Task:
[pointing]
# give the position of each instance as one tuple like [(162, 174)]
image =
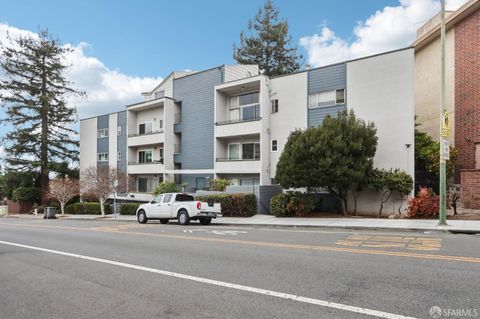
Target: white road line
[(318, 302)]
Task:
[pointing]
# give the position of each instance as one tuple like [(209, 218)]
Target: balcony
[(155, 167), (245, 166), (238, 127), (154, 137)]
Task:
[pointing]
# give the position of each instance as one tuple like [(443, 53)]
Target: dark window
[(142, 184), (184, 198), (274, 145), (167, 198), (200, 183), (275, 106), (249, 98), (251, 151), (250, 112), (340, 98)]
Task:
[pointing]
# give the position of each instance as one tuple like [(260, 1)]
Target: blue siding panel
[(316, 116), (122, 140), (196, 93), (327, 78), (102, 143)]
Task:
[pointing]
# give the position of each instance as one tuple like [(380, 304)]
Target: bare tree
[(100, 182), (63, 190)]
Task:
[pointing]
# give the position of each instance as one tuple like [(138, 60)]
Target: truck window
[(184, 198), (167, 198), (157, 199)]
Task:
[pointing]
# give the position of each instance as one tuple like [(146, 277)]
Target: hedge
[(129, 208), (86, 209), (294, 204), (233, 205)]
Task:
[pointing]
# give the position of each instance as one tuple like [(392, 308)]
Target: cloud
[(387, 29), (108, 90)]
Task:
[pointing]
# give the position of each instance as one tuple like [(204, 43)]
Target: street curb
[(353, 228)]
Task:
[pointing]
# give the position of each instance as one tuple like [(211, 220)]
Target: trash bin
[(49, 213)]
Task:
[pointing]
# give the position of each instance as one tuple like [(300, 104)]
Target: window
[(161, 153), (167, 198), (275, 106), (274, 145), (251, 151), (161, 123), (157, 200), (145, 128), (119, 130), (328, 98), (184, 198), (119, 156), (159, 94), (146, 185), (145, 156), (103, 132), (249, 181), (234, 151), (102, 157), (244, 107)]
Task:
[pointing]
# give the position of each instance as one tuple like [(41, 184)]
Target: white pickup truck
[(179, 206)]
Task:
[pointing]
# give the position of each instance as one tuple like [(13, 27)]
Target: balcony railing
[(178, 117), (257, 118), (237, 159), (160, 161), (142, 134), (177, 148)]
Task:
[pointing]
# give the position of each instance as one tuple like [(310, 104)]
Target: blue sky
[(123, 48), (151, 38)]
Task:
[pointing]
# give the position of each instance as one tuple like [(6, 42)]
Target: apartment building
[(232, 122), (462, 92)]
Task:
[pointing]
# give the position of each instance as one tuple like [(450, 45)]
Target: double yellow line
[(264, 244)]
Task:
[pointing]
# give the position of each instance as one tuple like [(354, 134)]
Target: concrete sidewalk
[(463, 226)]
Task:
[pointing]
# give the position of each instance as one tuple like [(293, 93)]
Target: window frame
[(335, 102), (119, 156), (236, 106), (276, 145), (145, 128), (145, 155), (239, 152), (274, 105), (119, 130), (105, 132), (99, 155)]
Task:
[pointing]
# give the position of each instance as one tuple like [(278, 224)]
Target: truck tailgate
[(210, 207)]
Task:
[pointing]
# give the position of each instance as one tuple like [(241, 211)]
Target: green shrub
[(166, 187), (129, 208), (233, 205), (31, 194), (87, 208), (219, 184), (294, 204)]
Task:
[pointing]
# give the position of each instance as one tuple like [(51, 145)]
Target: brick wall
[(470, 197), (467, 91)]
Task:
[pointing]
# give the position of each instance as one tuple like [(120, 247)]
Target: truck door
[(166, 207)]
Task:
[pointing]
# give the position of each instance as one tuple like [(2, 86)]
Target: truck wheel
[(205, 220), (183, 218), (163, 221), (142, 217)]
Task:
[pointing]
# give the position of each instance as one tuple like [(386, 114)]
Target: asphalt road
[(97, 269)]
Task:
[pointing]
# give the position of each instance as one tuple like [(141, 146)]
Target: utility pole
[(444, 125)]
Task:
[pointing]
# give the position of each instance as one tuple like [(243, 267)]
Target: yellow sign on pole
[(445, 124)]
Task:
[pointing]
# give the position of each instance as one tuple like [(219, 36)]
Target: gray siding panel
[(102, 143), (122, 140), (316, 116), (196, 93), (327, 78)]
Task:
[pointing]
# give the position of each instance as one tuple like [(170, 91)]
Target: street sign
[(445, 149), (445, 124)]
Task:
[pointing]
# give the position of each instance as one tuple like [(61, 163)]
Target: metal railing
[(177, 148), (237, 159), (257, 118), (149, 133), (160, 161), (178, 118)]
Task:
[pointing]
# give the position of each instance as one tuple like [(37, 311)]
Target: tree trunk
[(343, 206), (62, 207), (400, 207), (383, 200), (354, 195), (44, 171), (102, 208)]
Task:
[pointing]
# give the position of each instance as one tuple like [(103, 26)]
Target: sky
[(123, 48)]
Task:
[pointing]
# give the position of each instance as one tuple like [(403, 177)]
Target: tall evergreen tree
[(269, 46), (34, 96)]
